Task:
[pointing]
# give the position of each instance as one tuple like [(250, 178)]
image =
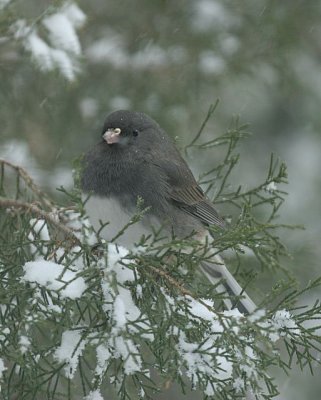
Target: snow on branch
[(52, 40)]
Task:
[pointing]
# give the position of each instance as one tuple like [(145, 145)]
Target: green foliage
[(146, 319)]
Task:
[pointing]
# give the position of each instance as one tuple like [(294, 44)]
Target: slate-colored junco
[(136, 158)]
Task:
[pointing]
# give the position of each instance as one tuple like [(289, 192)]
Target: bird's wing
[(186, 193), (192, 200)]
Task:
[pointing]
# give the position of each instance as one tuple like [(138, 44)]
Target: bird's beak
[(112, 135)]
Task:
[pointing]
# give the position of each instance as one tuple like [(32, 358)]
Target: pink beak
[(112, 136)]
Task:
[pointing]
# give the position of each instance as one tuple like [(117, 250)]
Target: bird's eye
[(135, 132)]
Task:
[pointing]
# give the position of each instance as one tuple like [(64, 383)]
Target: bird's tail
[(216, 271)]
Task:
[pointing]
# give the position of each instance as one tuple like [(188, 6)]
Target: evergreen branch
[(138, 310)]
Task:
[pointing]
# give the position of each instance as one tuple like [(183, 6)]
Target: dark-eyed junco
[(137, 159)]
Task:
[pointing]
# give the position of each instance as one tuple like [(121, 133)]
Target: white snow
[(128, 352), (230, 44), (120, 303), (120, 103), (271, 187), (119, 347), (247, 364), (210, 389), (281, 322), (124, 309), (211, 63), (210, 14), (81, 227), (74, 14), (67, 351), (20, 29), (88, 107), (139, 291), (203, 359), (238, 384), (4, 331), (109, 50), (235, 313), (200, 310), (46, 57), (40, 228), (40, 51), (94, 395), (283, 319), (62, 49), (62, 33), (116, 257), (4, 3), (257, 315), (18, 152), (24, 343), (103, 356), (54, 277), (2, 367), (64, 63)]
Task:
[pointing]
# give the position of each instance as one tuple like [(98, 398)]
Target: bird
[(136, 159)]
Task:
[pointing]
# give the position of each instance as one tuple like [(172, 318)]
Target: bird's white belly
[(102, 210)]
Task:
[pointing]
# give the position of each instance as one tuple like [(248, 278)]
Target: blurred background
[(65, 65)]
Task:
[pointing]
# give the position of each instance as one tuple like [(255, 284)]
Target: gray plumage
[(144, 162)]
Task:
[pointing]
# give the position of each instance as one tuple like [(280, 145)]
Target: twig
[(34, 209), (173, 282), (29, 182), (208, 116), (184, 291)]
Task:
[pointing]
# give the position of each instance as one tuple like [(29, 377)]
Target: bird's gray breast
[(109, 218), (113, 186)]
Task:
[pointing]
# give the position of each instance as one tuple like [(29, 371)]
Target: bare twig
[(208, 116), (173, 282), (29, 182), (34, 209)]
